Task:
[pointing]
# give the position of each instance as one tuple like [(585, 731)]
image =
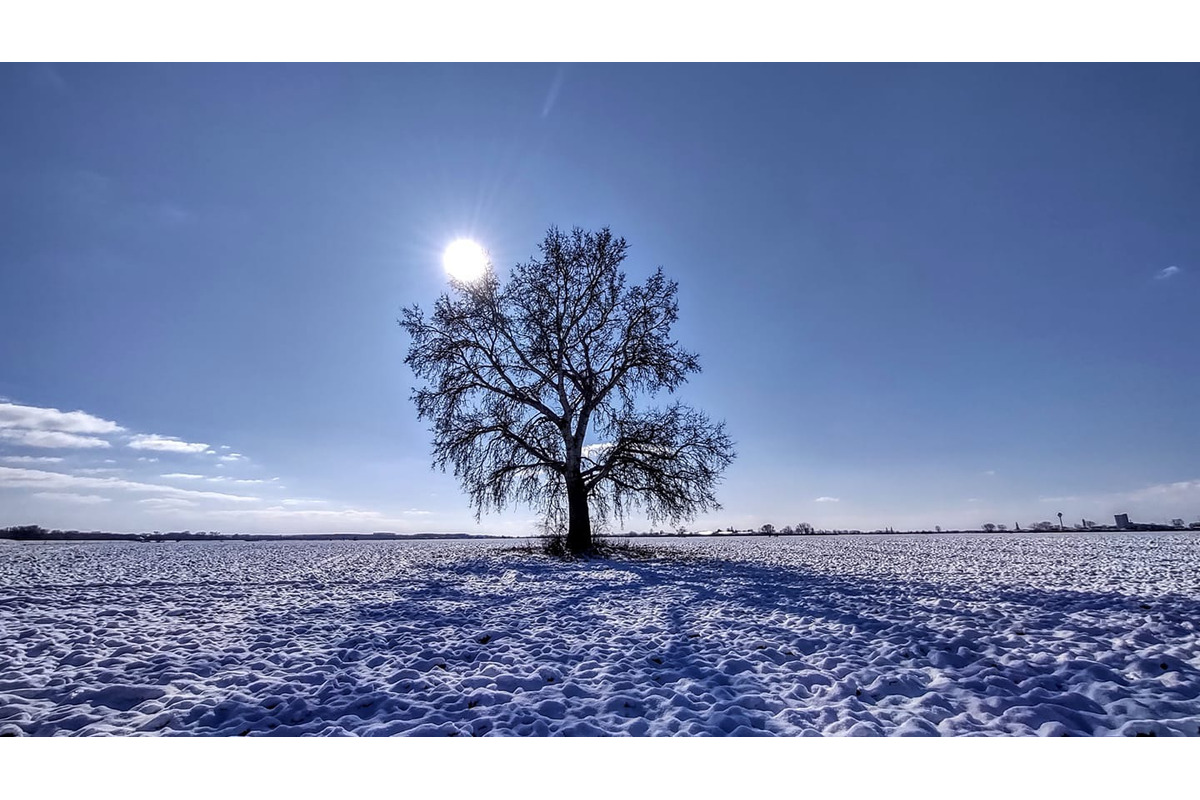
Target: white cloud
[(60, 481), (36, 427), (167, 503), (51, 419), (325, 518), (1152, 503), (39, 438), (1177, 490), (594, 451), (1169, 272), (166, 444), (828, 500), (69, 497), (989, 472)]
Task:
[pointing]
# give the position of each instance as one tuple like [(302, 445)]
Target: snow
[(996, 634)]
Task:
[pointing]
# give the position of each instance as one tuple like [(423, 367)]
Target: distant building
[(1124, 524)]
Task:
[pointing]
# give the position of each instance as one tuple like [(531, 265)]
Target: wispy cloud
[(165, 444), (167, 503), (47, 77), (171, 214), (31, 426), (113, 206), (70, 497), (83, 189), (42, 480), (825, 499), (1178, 489), (555, 87), (51, 419), (1169, 272), (37, 427), (50, 439), (350, 517), (1158, 500)]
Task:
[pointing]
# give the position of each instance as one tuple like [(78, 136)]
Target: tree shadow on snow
[(694, 646)]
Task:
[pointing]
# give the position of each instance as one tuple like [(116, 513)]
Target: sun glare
[(465, 260)]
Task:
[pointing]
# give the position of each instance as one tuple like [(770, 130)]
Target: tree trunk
[(579, 524)]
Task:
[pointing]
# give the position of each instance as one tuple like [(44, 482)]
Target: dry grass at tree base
[(555, 546)]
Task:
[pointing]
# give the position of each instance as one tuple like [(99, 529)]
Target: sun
[(465, 260)]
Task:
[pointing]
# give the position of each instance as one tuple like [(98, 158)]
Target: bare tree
[(533, 389), (989, 527)]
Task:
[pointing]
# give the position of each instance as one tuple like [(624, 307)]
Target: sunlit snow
[(998, 634)]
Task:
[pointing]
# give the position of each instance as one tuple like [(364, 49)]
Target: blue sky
[(922, 295)]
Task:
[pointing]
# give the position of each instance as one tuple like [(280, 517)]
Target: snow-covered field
[(998, 634)]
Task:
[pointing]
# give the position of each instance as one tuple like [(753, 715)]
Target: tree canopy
[(536, 390)]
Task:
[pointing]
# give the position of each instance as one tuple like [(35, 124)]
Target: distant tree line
[(36, 533)]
